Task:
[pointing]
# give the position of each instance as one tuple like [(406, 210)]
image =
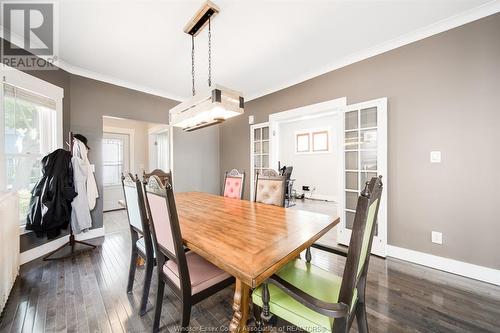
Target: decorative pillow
[(232, 188)]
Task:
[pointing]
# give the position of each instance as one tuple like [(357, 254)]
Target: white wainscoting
[(472, 271)]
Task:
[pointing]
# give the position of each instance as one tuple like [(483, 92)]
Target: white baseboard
[(472, 271), (46, 248)]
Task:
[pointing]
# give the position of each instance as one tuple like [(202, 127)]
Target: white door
[(364, 155), (116, 159)]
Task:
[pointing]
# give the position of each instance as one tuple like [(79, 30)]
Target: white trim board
[(46, 248), (472, 271)]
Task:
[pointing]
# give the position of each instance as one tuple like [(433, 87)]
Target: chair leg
[(186, 315), (159, 303), (147, 285), (133, 264), (361, 318)]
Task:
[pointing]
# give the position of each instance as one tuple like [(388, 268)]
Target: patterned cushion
[(232, 188), (202, 273), (270, 191)]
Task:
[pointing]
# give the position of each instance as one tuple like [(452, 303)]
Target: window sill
[(23, 231)]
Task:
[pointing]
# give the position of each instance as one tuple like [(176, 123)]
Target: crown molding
[(446, 24), (115, 81)]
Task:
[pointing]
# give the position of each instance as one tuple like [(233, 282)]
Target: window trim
[(302, 134), (310, 132), (313, 134), (38, 86)]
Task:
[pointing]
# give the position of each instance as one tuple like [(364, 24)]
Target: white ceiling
[(258, 46)]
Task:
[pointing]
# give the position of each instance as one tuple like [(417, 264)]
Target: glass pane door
[(365, 156), (259, 159)]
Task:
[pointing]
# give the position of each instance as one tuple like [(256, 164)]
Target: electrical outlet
[(437, 237), (435, 157), (314, 188)]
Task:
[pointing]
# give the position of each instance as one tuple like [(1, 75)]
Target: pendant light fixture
[(215, 104)]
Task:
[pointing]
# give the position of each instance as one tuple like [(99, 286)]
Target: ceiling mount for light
[(217, 103)]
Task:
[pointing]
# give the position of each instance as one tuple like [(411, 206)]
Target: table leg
[(241, 308)]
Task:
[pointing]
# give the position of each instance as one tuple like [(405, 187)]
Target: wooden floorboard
[(88, 294)]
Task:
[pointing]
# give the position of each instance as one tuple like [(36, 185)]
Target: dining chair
[(189, 276), (234, 182), (270, 188), (164, 176), (142, 244), (315, 299)]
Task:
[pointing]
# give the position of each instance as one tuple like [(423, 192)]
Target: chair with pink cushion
[(234, 181), (190, 277)]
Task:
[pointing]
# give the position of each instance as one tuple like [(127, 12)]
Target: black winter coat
[(50, 204)]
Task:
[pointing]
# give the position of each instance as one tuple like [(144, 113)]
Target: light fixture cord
[(192, 63), (209, 53)]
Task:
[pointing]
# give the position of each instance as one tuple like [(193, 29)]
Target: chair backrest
[(363, 230), (270, 188), (164, 226), (233, 184), (164, 176), (136, 209)]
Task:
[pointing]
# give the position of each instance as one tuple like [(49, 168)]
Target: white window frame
[(38, 86), (310, 133)]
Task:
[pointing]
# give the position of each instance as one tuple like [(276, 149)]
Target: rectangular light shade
[(206, 109)]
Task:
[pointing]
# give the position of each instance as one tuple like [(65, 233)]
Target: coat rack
[(72, 240)]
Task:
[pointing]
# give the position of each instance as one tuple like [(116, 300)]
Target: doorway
[(129, 146), (334, 148)]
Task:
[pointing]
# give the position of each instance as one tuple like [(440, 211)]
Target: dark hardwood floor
[(87, 294)]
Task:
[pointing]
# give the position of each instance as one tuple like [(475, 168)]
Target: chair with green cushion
[(315, 299)]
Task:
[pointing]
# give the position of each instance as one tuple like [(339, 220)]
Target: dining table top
[(248, 240)]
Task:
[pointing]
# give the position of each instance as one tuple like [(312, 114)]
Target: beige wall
[(443, 94)]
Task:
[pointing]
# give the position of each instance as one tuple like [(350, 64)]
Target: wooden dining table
[(249, 240)]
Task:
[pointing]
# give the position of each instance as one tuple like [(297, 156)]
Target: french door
[(363, 156), (259, 152)]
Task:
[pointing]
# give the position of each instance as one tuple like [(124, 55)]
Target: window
[(320, 141), (302, 145), (312, 141), (31, 126), (112, 152)]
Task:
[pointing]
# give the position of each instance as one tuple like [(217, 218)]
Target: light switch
[(435, 157), (250, 120), (437, 237)]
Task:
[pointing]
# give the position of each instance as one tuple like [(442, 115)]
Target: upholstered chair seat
[(202, 273), (313, 280)]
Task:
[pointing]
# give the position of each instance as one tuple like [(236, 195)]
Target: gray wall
[(443, 94), (196, 154)]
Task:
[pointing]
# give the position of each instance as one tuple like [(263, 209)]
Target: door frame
[(333, 106)]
